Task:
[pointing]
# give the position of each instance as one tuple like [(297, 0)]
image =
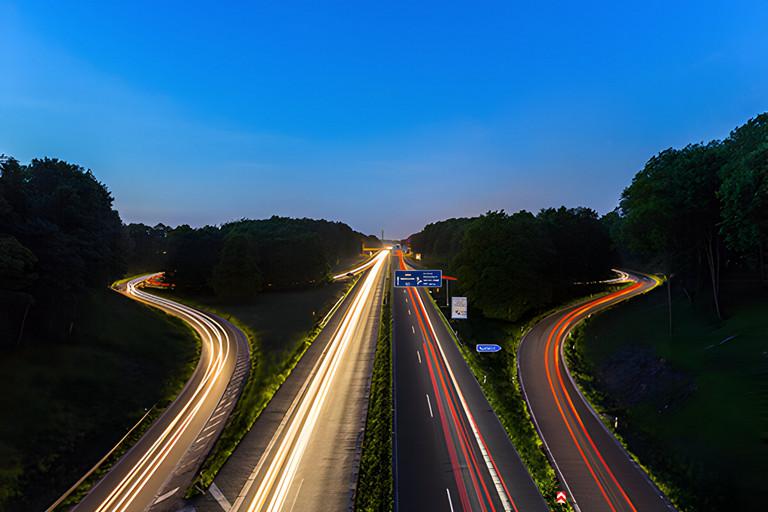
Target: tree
[(236, 275), (503, 263), (744, 189), (58, 225), (671, 209), (581, 242)]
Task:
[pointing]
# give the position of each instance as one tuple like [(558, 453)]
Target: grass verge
[(375, 484), (690, 406), (121, 358)]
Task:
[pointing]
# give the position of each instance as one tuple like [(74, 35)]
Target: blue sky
[(383, 115)]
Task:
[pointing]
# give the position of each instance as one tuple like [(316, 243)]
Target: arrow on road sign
[(561, 498)]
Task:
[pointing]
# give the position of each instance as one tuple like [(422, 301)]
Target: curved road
[(156, 471), (595, 470)]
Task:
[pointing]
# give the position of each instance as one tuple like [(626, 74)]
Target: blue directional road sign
[(422, 278), (487, 347)]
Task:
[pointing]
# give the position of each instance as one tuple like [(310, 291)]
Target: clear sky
[(380, 114)]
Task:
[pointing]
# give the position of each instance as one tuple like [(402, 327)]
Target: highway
[(596, 472), (156, 471), (308, 440), (451, 451)]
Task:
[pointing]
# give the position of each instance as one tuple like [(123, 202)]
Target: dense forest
[(696, 214), (60, 237), (513, 265), (239, 259), (701, 211)]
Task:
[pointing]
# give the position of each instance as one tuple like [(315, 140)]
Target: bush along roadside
[(497, 376), (375, 484), (262, 384), (583, 374)]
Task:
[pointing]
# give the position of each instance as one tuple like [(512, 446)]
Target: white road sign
[(459, 307)]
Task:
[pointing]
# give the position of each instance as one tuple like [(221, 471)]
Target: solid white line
[(219, 497), (419, 356), (450, 503), (429, 404)]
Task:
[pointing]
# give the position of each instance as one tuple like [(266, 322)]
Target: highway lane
[(156, 471), (451, 451), (310, 460), (595, 470)]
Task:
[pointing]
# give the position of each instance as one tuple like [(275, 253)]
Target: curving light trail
[(136, 480), (594, 468)]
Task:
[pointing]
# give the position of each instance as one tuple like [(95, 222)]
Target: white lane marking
[(166, 495), (450, 502), (429, 404), (222, 413), (205, 437), (413, 329), (481, 445), (418, 354), (409, 312), (219, 497), (297, 496), (209, 427)]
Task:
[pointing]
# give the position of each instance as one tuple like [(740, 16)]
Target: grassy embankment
[(68, 403), (375, 485), (692, 407), (280, 327)]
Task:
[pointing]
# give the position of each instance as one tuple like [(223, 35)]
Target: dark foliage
[(59, 236), (239, 259), (697, 211), (514, 265)]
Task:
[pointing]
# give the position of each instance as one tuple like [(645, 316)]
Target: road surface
[(596, 472), (156, 471), (451, 451), (303, 451)]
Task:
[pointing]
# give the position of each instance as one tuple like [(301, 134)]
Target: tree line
[(691, 213), (700, 210), (512, 265), (60, 237), (239, 259)]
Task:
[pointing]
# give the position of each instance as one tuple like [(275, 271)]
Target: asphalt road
[(303, 451), (156, 471), (451, 451), (596, 472)]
